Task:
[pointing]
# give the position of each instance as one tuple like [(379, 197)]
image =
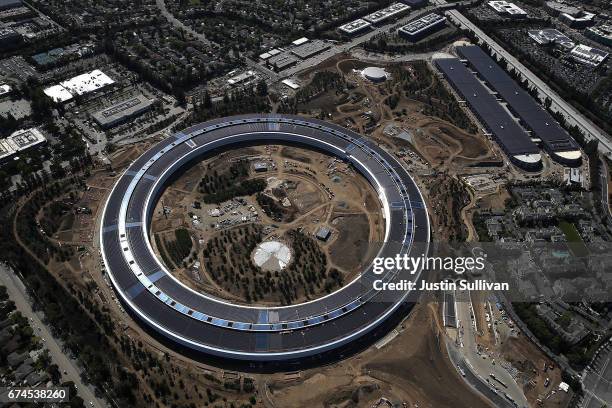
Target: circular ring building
[(214, 326)]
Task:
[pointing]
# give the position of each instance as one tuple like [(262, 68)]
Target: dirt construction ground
[(530, 361), (319, 191), (411, 369)]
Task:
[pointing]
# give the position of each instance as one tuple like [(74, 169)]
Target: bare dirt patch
[(352, 249), (526, 357), (411, 369), (298, 190), (291, 153)]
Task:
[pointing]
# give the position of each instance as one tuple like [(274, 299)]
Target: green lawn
[(574, 239), (570, 231)]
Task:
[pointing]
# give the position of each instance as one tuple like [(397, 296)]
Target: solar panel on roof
[(512, 138), (534, 117)]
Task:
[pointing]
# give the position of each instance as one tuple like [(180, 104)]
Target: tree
[(179, 92), (262, 88), (41, 105)]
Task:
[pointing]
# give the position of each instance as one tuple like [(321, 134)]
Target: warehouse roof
[(311, 48), (533, 115), (512, 138), (79, 85)]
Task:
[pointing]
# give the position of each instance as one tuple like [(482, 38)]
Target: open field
[(575, 242)]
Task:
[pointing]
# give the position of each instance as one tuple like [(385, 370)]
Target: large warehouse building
[(555, 140), (513, 140), (281, 61), (256, 333), (310, 48), (78, 85)]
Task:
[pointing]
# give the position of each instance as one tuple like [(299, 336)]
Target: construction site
[(323, 199), (336, 209)]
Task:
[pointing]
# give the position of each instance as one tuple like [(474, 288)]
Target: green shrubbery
[(180, 248)]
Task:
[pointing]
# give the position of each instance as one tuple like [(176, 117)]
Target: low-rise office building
[(422, 27), (123, 111), (355, 27), (507, 9), (601, 34), (395, 10), (20, 141)]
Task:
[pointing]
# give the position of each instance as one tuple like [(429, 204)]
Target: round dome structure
[(375, 74)]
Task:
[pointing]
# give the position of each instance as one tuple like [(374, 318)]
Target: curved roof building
[(374, 74), (214, 326), (554, 139)]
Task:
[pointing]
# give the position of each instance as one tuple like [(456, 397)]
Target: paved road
[(334, 50), (367, 36), (17, 293), (605, 194), (310, 62), (161, 5), (29, 4), (483, 367), (571, 114), (477, 383), (597, 379), (274, 77)]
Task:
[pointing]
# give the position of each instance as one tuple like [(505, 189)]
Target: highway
[(375, 57), (17, 293), (334, 50), (367, 36), (571, 114)]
